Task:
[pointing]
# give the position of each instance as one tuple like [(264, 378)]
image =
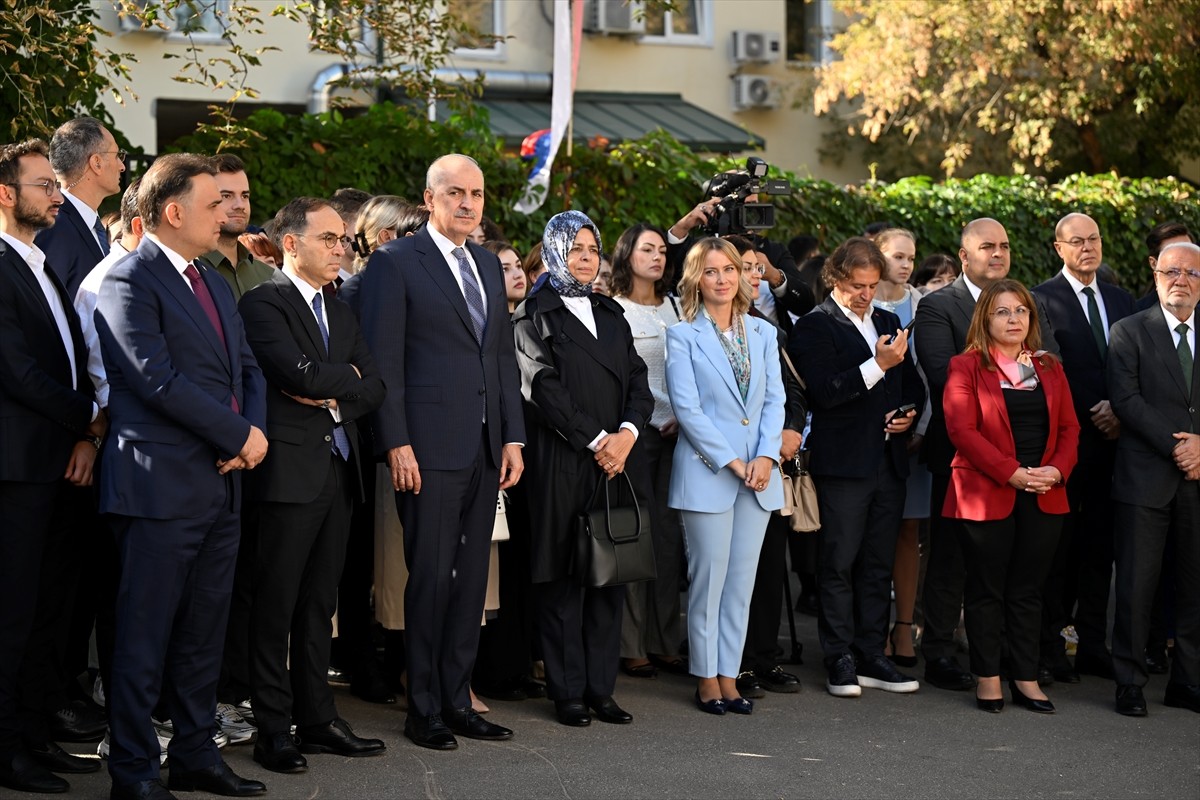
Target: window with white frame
[(688, 22), (201, 19), (809, 28), (484, 18)]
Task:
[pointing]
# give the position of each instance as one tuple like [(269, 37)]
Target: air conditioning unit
[(756, 47), (131, 24), (614, 17), (754, 92)]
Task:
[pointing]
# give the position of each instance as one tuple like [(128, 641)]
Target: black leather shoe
[(217, 779), (1045, 676), (55, 759), (945, 673), (676, 665), (368, 684), (1100, 666), (607, 710), (646, 670), (809, 604), (510, 689), (1130, 701), (21, 772), (277, 752), (429, 732), (1066, 674), (1182, 695), (142, 790), (534, 690), (1156, 660), (776, 680), (337, 676), (79, 721), (337, 738), (572, 713), (990, 706), (467, 723), (749, 685), (1037, 706)]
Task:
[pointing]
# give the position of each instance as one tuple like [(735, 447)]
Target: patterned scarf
[(1018, 374), (737, 351), (560, 235)]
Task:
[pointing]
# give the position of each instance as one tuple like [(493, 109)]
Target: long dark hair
[(622, 261)]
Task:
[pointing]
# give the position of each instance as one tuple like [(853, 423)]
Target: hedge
[(655, 178)]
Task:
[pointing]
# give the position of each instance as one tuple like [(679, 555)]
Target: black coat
[(574, 385)]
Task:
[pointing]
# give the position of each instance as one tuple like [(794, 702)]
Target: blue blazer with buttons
[(715, 425)]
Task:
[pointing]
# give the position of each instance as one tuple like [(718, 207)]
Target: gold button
[(745, 422)]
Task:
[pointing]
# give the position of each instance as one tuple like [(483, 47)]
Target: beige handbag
[(800, 495), (500, 526)]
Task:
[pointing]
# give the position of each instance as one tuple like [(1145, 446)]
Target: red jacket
[(977, 421)]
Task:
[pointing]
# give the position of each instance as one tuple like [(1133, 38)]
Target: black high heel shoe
[(1037, 706), (990, 706), (899, 660)]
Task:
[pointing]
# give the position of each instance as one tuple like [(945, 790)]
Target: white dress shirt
[(85, 307), (972, 288), (308, 293), (1078, 288), (446, 247), (870, 370), (1173, 322), (89, 216)]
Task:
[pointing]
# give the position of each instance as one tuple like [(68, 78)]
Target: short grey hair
[(435, 176), (73, 144), (1187, 247)]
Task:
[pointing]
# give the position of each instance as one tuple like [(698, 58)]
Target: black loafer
[(142, 790), (1181, 695), (534, 689), (371, 687), (511, 689), (1130, 701), (217, 779), (79, 722), (776, 680), (429, 732), (22, 773), (1098, 665), (467, 723), (675, 666), (646, 670), (337, 738), (278, 753), (750, 685), (55, 759), (607, 710), (1157, 662), (572, 713), (1045, 675), (945, 673)]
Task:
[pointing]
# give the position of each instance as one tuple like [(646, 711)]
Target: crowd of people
[(234, 455)]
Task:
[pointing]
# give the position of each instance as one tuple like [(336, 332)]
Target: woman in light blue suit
[(725, 386)]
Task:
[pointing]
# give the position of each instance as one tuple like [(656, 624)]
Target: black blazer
[(441, 383), (70, 246), (41, 416), (795, 410), (284, 336), (1073, 334), (1149, 397), (847, 436)]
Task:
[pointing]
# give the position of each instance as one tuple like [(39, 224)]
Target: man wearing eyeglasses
[(1154, 381), (49, 429), (321, 379), (1080, 311), (236, 264), (89, 164)]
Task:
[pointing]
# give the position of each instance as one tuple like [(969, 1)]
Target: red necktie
[(204, 297)]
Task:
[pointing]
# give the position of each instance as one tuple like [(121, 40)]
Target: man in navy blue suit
[(452, 428), (187, 407), (1080, 311)]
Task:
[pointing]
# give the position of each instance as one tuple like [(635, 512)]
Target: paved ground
[(933, 744)]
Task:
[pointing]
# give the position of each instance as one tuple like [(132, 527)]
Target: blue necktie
[(341, 444), (101, 236), (471, 292)]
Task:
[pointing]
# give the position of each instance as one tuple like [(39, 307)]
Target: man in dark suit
[(49, 429), (942, 320), (1080, 310), (320, 379), (854, 360), (89, 164), (435, 317), (1160, 236), (1154, 384), (187, 406)]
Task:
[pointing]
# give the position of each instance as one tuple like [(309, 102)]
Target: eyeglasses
[(754, 269), (121, 154), (1020, 312), (1079, 241), (1174, 274), (49, 187), (331, 240)]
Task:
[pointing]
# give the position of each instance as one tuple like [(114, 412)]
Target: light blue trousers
[(722, 557)]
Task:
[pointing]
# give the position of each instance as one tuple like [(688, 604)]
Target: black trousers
[(234, 684), (1007, 561), (942, 601), (766, 602), (860, 521), (447, 539), (354, 648), (580, 634), (301, 549), (1142, 535)]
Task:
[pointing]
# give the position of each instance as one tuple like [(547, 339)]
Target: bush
[(387, 150)]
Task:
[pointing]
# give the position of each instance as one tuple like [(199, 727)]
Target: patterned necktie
[(101, 236), (341, 443), (1185, 354), (204, 297), (1097, 322), (472, 293)]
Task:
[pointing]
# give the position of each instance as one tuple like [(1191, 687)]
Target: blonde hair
[(693, 270), (380, 213)]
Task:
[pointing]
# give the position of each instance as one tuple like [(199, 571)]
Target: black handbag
[(613, 545)]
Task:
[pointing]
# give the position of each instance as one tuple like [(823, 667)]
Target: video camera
[(733, 215)]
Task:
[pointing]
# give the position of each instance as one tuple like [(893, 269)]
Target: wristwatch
[(95, 440)]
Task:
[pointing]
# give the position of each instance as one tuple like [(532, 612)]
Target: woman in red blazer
[(1009, 415)]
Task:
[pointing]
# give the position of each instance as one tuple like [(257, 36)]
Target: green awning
[(618, 116)]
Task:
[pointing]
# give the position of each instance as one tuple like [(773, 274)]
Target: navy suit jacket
[(171, 382), (1073, 334), (41, 416), (441, 383), (70, 246), (847, 436)]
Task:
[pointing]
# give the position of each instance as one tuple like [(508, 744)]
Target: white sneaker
[(161, 730), (879, 673), (842, 680), (246, 710), (234, 725), (104, 748)]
